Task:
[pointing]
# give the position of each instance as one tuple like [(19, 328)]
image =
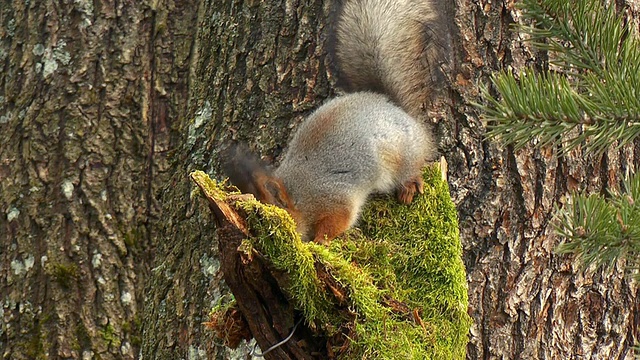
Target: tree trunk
[(526, 301), (88, 89), (95, 94), (258, 68)]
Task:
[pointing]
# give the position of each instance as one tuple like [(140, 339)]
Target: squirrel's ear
[(277, 193), (243, 168), (253, 176)]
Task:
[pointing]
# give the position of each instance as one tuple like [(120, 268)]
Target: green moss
[(277, 239), (223, 304), (63, 274), (35, 346), (83, 339), (133, 329), (420, 244), (210, 187), (129, 239), (411, 254), (110, 336)]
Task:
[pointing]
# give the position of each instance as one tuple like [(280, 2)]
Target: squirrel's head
[(271, 190)]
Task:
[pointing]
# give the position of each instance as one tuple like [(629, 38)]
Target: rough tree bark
[(90, 94), (87, 92), (258, 67), (527, 302)]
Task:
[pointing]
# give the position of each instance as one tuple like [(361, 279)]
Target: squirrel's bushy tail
[(394, 47)]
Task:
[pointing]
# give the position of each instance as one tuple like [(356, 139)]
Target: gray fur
[(389, 46), (363, 142), (347, 165)]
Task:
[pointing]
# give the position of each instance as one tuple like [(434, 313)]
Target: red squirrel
[(367, 141)]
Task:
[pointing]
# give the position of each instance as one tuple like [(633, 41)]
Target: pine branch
[(591, 99), (603, 230), (586, 35)]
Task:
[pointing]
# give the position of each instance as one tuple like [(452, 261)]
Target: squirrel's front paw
[(407, 190)]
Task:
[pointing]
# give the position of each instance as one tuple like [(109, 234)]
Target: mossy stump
[(393, 289)]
